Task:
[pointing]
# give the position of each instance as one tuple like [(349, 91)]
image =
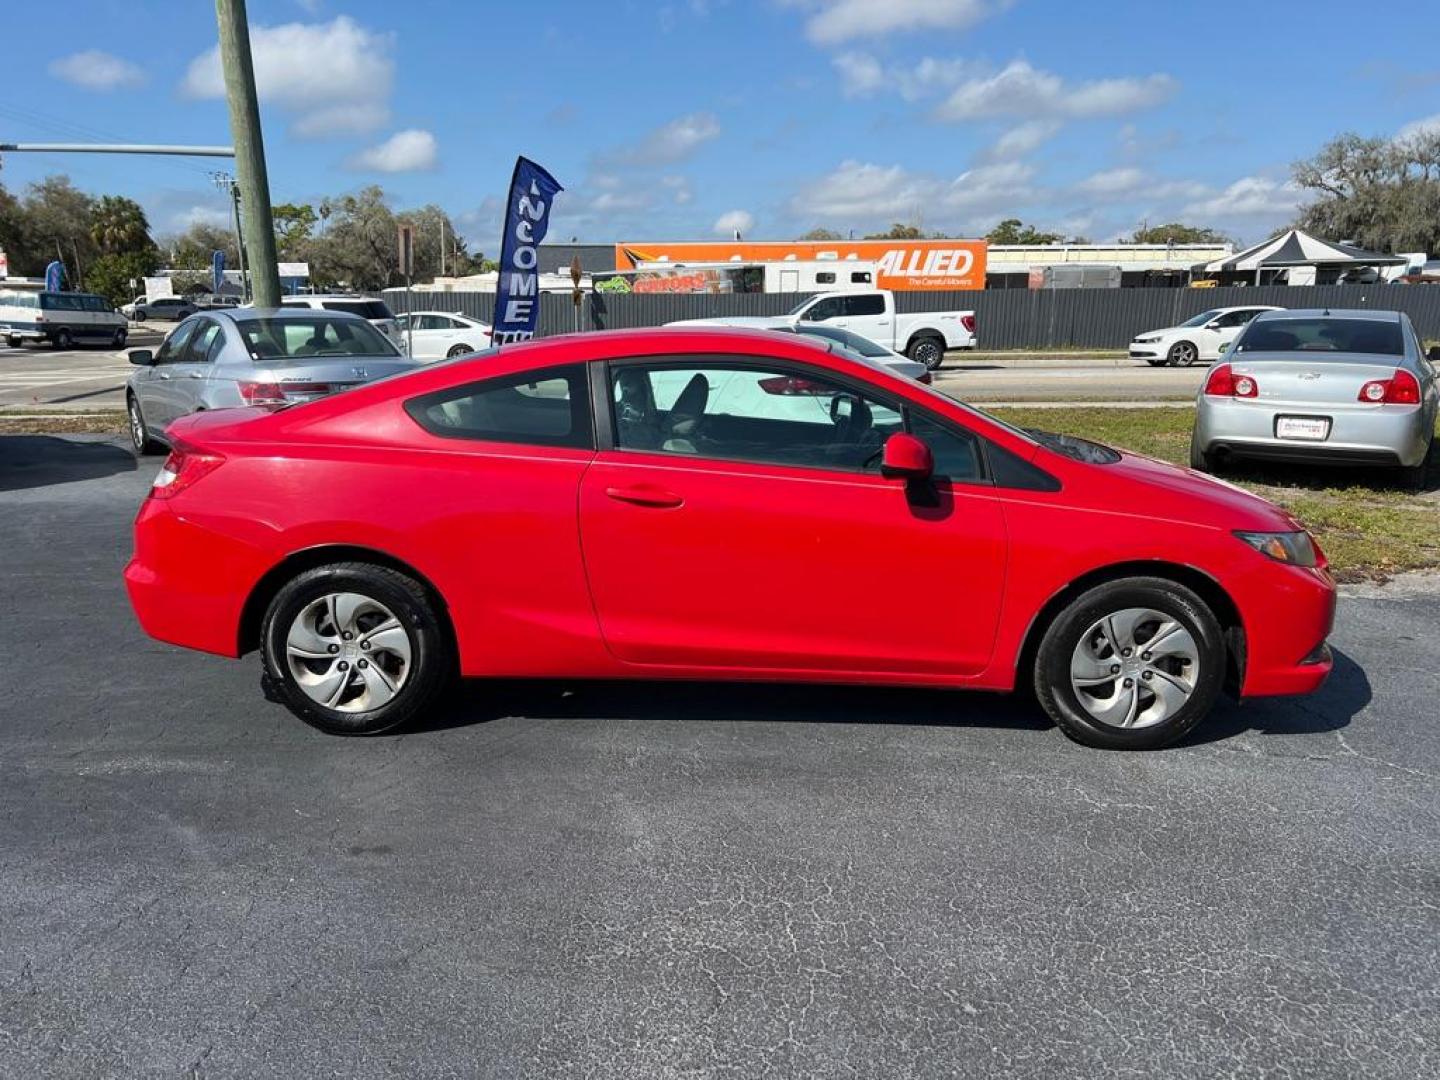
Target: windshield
[(320, 335), (1202, 318), (1323, 335), (800, 306), (853, 342)]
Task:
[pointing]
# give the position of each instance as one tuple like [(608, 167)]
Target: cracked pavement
[(671, 881)]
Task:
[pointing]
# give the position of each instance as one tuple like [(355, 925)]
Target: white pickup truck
[(923, 336)]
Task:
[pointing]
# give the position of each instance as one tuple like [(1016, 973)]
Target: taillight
[(182, 468), (268, 393), (1402, 388), (968, 322), (1223, 382)]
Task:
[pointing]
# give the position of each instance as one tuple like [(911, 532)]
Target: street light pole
[(259, 228)]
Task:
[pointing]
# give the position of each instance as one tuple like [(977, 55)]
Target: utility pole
[(226, 183), (259, 228)]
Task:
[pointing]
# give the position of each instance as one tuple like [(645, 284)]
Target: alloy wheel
[(137, 427), (1134, 668), (348, 652)]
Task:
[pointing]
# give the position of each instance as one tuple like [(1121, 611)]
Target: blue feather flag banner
[(527, 219)]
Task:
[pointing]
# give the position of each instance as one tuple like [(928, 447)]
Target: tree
[(1382, 193), (196, 246), (358, 245), (821, 235), (118, 226), (112, 274), (58, 217), (1176, 233), (1015, 231), (898, 232), (15, 239), (294, 224), (431, 224)]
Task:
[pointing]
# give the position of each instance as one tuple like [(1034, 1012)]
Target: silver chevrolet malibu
[(1323, 387), (252, 356)]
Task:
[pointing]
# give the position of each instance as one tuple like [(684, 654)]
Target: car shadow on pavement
[(29, 461), (478, 701), (1345, 693)]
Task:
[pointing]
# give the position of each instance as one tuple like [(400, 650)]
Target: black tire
[(458, 350), (1182, 354), (432, 663), (1156, 361), (140, 439), (120, 336), (1059, 698), (63, 340), (1202, 460), (1414, 476), (139, 315), (928, 350), (14, 342)]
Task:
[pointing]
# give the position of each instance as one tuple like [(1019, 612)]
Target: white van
[(64, 319)]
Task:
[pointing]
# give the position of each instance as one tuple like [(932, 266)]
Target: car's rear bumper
[(1359, 434), (185, 587)]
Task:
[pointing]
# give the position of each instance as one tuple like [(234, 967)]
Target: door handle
[(197, 374), (644, 495), (164, 374)]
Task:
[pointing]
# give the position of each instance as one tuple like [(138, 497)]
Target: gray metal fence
[(1006, 318)]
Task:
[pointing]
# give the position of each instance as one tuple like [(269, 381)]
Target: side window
[(539, 408), (198, 349), (829, 308), (432, 322), (860, 277), (957, 453), (174, 347), (825, 278), (740, 412), (865, 304)]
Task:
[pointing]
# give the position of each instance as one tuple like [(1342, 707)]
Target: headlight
[(1146, 340), (1295, 548)]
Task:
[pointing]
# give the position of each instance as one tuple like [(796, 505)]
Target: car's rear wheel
[(1133, 664), (458, 350), (139, 436), (63, 340), (355, 649), (927, 350), (1182, 354), (119, 339)]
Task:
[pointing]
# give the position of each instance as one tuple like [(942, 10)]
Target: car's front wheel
[(355, 649), (1132, 664), (1182, 354)]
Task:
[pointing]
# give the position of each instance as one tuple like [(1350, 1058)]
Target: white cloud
[(412, 150), (1021, 90), (679, 188), (733, 221), (672, 142), (318, 71), (863, 192), (1023, 139), (836, 21), (1430, 125), (1248, 197), (96, 70), (860, 73), (1112, 182)]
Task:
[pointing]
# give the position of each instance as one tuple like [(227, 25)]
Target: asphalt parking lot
[(653, 881)]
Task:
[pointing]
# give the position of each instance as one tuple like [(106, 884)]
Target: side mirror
[(906, 458), (142, 357)]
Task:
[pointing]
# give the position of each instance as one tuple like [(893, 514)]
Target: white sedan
[(1200, 338), (441, 334)]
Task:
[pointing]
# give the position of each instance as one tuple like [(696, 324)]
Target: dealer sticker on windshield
[(1314, 428)]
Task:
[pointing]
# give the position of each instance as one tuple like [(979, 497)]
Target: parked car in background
[(61, 319), (923, 336), (251, 356), (377, 312), (438, 334), (1322, 387), (862, 347), (636, 504), (1199, 338), (1426, 274), (163, 307)]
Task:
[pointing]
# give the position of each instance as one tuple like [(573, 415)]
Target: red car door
[(739, 523)]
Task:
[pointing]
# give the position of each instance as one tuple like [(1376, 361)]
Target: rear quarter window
[(538, 408)]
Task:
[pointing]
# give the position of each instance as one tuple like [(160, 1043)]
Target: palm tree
[(118, 225)]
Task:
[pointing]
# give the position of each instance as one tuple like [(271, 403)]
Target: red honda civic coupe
[(714, 504)]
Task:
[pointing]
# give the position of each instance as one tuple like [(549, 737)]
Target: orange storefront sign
[(903, 265)]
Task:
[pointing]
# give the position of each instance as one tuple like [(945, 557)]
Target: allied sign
[(902, 265), (527, 219)]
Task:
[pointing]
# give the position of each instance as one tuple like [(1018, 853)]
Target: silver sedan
[(1323, 387), (251, 356)]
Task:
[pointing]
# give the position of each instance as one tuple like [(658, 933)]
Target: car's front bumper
[(1140, 351), (1359, 434), (1288, 613)]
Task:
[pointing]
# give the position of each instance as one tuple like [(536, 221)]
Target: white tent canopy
[(1296, 248)]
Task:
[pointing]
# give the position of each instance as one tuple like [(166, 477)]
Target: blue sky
[(685, 118)]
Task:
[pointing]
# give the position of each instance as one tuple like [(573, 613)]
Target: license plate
[(1313, 428)]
